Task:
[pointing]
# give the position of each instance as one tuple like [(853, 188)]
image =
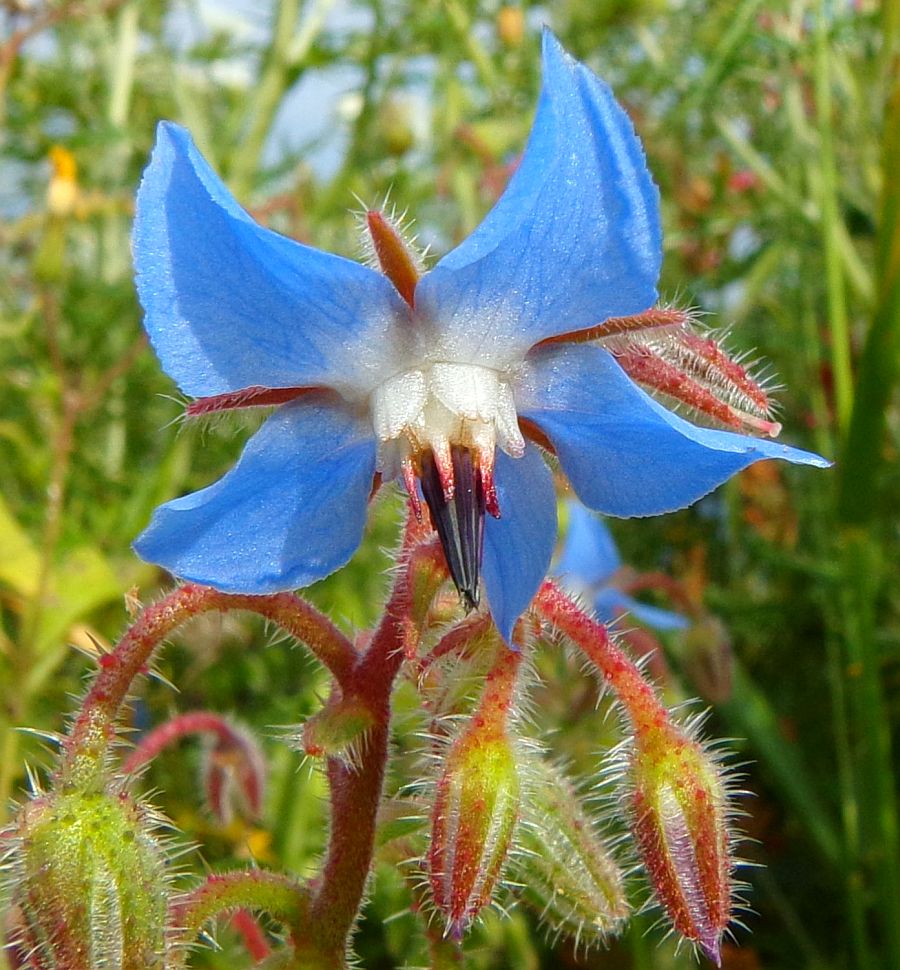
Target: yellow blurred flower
[(62, 192)]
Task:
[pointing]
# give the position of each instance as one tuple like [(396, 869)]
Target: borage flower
[(452, 380)]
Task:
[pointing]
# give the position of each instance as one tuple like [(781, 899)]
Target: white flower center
[(442, 405)]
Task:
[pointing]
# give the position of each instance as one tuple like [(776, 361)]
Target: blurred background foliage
[(773, 130)]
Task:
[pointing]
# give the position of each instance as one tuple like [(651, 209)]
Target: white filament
[(441, 405)]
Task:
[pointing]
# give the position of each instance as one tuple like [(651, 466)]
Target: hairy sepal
[(475, 811), (678, 807), (89, 881), (566, 869), (339, 730)]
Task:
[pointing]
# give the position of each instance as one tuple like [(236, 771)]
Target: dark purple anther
[(459, 521)]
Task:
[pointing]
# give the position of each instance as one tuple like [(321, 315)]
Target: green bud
[(394, 123), (89, 883), (475, 812), (338, 730), (564, 868)]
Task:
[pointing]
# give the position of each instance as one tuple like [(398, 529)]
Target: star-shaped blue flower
[(460, 381), (590, 563)]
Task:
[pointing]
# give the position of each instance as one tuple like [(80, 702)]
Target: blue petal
[(624, 453), (654, 616), (229, 304), (589, 552), (610, 602), (518, 545), (575, 238), (290, 512)]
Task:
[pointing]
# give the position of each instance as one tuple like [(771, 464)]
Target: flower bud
[(680, 824), (338, 730), (234, 774), (89, 883), (475, 812), (395, 125), (564, 868)]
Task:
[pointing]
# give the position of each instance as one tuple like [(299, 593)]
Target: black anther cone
[(459, 522)]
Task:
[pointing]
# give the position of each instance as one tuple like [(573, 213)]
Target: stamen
[(395, 258), (408, 470), (247, 397), (459, 519), (442, 456), (485, 465)]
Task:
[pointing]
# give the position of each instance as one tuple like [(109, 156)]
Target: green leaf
[(19, 560), (84, 582)]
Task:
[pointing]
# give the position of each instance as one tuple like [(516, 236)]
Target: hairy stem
[(355, 792), (193, 722), (85, 749), (637, 697), (252, 936), (253, 889)]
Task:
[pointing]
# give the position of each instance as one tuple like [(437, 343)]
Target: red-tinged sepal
[(388, 249), (679, 814), (339, 730), (662, 350), (474, 815), (247, 397), (650, 368), (476, 805)]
